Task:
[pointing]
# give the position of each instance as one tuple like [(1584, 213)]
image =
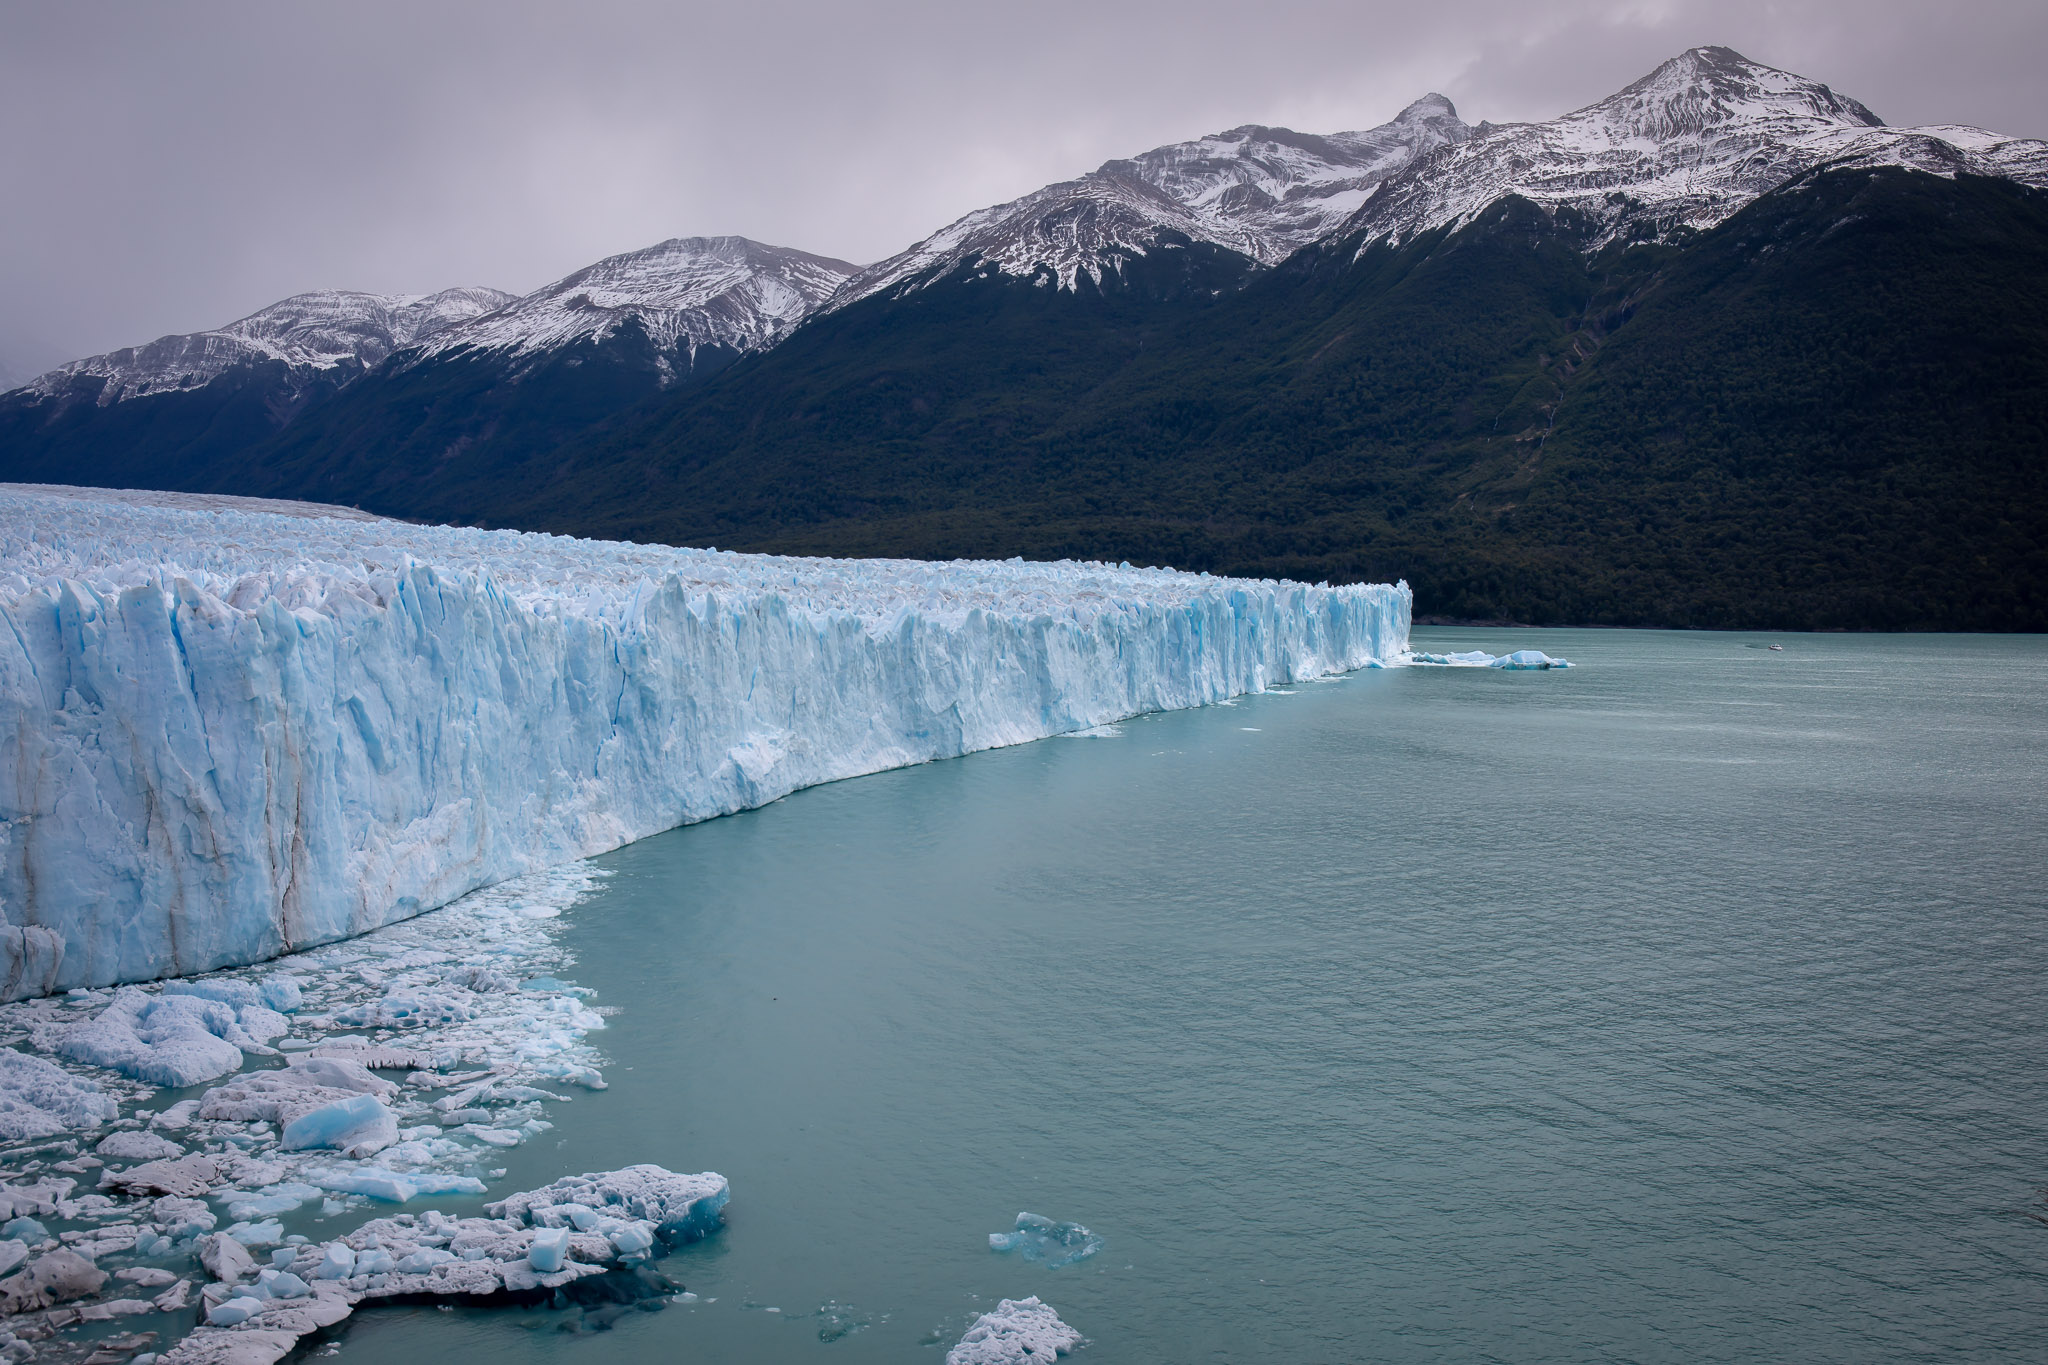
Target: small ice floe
[(1018, 1332), (1479, 658), (1044, 1242), (1111, 731)]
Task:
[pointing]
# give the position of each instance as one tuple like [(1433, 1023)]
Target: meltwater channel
[(1685, 1005)]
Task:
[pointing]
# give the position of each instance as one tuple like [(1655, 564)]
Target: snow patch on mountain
[(1687, 146), (683, 294), (1261, 192), (312, 334)]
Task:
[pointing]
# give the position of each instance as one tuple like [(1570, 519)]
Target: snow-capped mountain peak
[(324, 331), (1709, 87), (1684, 147), (685, 293), (1261, 192)]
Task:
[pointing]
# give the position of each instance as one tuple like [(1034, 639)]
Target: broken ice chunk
[(1479, 658), (549, 1250), (235, 1310), (352, 1124), (338, 1264), (1018, 1332), (1045, 1242)]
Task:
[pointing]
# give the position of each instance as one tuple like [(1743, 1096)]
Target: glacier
[(238, 732)]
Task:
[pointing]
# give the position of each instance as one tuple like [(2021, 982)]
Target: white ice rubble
[(464, 1009), (542, 1240), (39, 1100), (234, 734), (119, 1174), (1018, 1332)]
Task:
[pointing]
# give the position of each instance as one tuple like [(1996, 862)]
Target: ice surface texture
[(235, 733), (38, 1100), (1046, 1242), (518, 1249), (1479, 658), (1018, 1332)]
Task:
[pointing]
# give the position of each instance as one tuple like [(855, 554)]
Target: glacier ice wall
[(232, 733)]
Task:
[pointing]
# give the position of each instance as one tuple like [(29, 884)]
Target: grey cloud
[(172, 167)]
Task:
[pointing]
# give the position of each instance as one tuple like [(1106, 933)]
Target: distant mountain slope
[(1721, 349), (420, 380), (1685, 147), (327, 334), (725, 294), (1259, 193), (1829, 411), (170, 412)]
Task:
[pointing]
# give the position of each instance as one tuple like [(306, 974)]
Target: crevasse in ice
[(237, 732)]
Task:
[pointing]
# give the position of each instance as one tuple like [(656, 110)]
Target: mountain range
[(1722, 349)]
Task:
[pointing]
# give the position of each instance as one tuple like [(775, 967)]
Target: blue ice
[(1479, 658), (1045, 1242)]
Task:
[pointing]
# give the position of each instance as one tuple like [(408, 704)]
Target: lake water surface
[(1684, 1005)]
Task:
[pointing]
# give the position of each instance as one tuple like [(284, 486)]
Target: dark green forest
[(1831, 411)]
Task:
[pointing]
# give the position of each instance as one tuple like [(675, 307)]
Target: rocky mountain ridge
[(1680, 150)]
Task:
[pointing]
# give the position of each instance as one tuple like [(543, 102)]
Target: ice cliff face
[(684, 294), (233, 733), (1261, 192), (1685, 147), (325, 331)]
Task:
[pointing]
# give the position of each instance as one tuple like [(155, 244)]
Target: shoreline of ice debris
[(292, 1123), (241, 733)]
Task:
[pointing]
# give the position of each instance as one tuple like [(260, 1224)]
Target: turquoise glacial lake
[(1687, 1005)]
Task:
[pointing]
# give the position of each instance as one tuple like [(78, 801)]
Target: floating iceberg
[(236, 733), (1018, 1332), (1045, 1242), (1478, 658)]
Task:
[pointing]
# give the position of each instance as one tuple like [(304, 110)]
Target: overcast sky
[(172, 166)]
